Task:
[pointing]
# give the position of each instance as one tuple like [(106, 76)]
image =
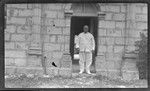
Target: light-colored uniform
[(86, 44)]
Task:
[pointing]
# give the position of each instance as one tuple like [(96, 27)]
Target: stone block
[(111, 8), (106, 24), (9, 62), (114, 32), (60, 15), (59, 22), (66, 64), (109, 56), (120, 25), (38, 6), (67, 47), (123, 8), (15, 20), (48, 62), (101, 65), (36, 12), (54, 30), (138, 9), (101, 72), (141, 17), (141, 25), (103, 7), (23, 29), (110, 49), (36, 20), (119, 17), (102, 48), (110, 40), (10, 70), (66, 31), (65, 72), (68, 22), (53, 38), (57, 54), (130, 76), (20, 61), (25, 12), (36, 29), (53, 6), (100, 58), (111, 65), (118, 49), (52, 71), (52, 47), (12, 12), (144, 9), (10, 29), (66, 57), (15, 53), (18, 37), (35, 71), (130, 48), (21, 45), (67, 39), (108, 16), (101, 53), (102, 41), (51, 14), (60, 39), (113, 74), (102, 32), (131, 41), (34, 61), (9, 45), (135, 34), (21, 70), (19, 6), (7, 37), (129, 65), (119, 41), (49, 22), (46, 38)]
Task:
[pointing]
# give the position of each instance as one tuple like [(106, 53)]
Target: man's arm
[(93, 43), (77, 42)]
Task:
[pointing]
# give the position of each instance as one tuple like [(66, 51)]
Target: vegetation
[(142, 55)]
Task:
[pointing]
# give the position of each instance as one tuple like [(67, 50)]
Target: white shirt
[(86, 42)]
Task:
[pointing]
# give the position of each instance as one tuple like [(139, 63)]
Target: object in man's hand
[(54, 64)]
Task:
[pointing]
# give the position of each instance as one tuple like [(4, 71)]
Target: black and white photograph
[(76, 45)]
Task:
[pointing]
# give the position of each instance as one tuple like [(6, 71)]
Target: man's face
[(85, 28)]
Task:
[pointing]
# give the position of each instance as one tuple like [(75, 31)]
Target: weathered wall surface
[(36, 26), (45, 27), (117, 33)]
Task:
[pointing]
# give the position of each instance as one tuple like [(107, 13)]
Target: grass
[(23, 81)]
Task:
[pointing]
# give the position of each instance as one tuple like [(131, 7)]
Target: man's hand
[(93, 51)]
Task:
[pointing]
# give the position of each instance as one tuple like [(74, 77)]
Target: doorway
[(77, 24)]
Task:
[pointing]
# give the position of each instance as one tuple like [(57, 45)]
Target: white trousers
[(85, 60)]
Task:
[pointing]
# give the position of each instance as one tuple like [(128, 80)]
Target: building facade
[(38, 34)]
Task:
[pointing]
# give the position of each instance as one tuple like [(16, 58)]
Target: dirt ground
[(76, 81)]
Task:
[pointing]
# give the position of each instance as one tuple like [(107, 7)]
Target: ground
[(76, 81)]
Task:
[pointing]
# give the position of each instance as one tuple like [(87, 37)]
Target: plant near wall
[(141, 46)]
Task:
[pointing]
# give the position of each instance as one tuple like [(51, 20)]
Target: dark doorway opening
[(77, 24)]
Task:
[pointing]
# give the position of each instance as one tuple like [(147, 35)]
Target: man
[(86, 45)]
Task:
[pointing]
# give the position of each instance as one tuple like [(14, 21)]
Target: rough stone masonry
[(33, 30)]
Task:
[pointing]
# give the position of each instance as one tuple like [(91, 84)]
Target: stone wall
[(117, 34), (36, 26), (45, 28)]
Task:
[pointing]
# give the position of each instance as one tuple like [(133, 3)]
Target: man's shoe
[(89, 72), (80, 72)]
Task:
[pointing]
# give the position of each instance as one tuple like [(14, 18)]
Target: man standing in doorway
[(86, 45)]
